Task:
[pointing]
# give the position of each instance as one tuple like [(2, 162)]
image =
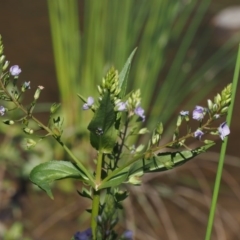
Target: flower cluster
[(215, 110), (110, 83), (131, 105)]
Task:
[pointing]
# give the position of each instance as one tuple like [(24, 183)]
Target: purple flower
[(198, 134), (184, 113), (85, 235), (15, 70), (2, 110), (128, 235), (140, 112), (88, 104), (223, 130), (121, 106), (198, 113)]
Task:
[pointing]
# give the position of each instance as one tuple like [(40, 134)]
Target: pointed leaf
[(103, 133), (166, 160), (44, 174), (123, 76)]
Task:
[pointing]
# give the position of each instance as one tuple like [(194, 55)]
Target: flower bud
[(210, 104), (28, 130), (2, 59), (25, 86), (5, 65), (54, 107), (179, 121), (8, 122), (143, 131), (29, 143), (155, 139), (135, 179), (38, 91), (140, 148), (100, 90)]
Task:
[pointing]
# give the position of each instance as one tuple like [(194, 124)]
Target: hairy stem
[(96, 195)]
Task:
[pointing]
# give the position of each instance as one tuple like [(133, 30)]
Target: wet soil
[(24, 26)]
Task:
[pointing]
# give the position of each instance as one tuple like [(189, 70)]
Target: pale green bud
[(135, 179), (5, 66), (155, 138), (179, 121), (224, 110), (143, 131), (38, 91), (139, 148), (100, 90), (2, 59), (28, 130), (30, 143), (8, 122), (210, 104), (54, 107)]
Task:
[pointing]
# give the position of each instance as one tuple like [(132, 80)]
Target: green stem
[(96, 195), (222, 153), (48, 130)]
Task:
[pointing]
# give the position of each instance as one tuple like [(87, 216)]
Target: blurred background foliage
[(176, 65), (168, 65)]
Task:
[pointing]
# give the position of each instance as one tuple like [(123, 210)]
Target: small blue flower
[(121, 106), (198, 113), (88, 104), (223, 130), (198, 134), (128, 235), (85, 235), (139, 111), (2, 110), (184, 113), (15, 70)]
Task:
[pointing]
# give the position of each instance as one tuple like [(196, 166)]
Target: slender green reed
[(111, 30), (64, 24), (223, 151)]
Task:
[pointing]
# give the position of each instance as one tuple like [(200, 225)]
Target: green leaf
[(123, 76), (102, 127), (44, 174), (166, 160), (116, 180)]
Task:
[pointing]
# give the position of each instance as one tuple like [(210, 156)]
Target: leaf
[(115, 180), (102, 127), (123, 76), (165, 161), (44, 174)]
